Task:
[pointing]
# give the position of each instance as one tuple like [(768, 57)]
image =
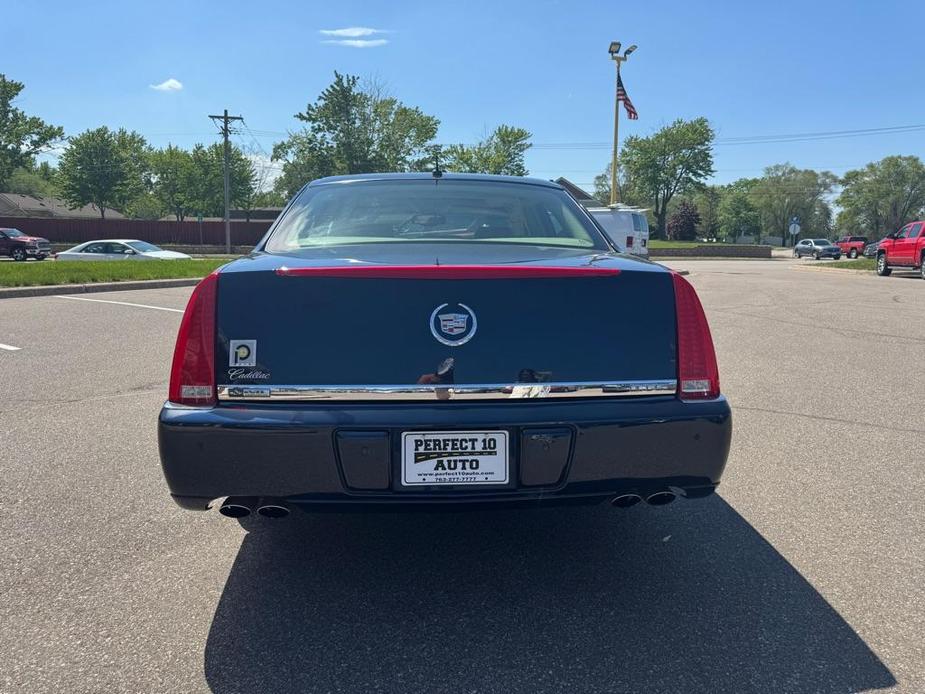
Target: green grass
[(33, 273), (859, 264)]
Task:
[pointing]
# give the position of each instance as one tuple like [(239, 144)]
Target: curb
[(672, 258), (50, 290)]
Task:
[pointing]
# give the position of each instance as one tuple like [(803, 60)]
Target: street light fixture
[(614, 50)]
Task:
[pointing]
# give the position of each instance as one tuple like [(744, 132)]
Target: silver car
[(817, 248), (119, 249)]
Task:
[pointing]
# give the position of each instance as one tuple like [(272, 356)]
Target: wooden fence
[(156, 232)]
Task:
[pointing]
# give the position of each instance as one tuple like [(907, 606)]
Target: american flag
[(621, 96)]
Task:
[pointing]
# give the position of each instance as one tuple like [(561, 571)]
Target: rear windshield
[(862, 239), (442, 210)]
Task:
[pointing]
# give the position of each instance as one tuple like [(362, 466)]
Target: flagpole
[(614, 193)]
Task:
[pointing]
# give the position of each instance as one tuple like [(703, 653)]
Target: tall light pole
[(614, 51)]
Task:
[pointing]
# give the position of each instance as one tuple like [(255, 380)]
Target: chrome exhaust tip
[(661, 498), (273, 511), (625, 500), (237, 506)]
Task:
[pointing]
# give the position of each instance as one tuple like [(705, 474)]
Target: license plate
[(454, 457)]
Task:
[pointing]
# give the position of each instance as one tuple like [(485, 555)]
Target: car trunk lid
[(372, 326)]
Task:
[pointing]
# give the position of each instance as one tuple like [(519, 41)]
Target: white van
[(626, 226)]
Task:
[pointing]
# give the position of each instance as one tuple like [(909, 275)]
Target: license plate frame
[(429, 465)]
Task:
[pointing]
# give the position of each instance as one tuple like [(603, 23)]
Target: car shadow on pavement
[(687, 597)]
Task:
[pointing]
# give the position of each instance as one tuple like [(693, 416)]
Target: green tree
[(672, 161), (352, 129), (784, 192), (501, 153), (33, 180), (882, 196), (105, 168), (174, 181), (629, 194), (145, 206), (737, 215), (682, 224), (268, 198), (21, 136), (707, 200), (207, 194), (305, 157), (259, 199)]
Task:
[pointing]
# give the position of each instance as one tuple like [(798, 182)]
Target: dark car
[(870, 250), (412, 340), (816, 248), (20, 246)]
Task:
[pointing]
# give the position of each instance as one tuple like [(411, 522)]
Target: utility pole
[(226, 119), (614, 51)]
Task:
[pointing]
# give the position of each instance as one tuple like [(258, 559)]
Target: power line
[(727, 141), (755, 139), (258, 153)]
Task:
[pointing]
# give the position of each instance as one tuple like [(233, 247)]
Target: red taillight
[(698, 375), (629, 241), (192, 376)]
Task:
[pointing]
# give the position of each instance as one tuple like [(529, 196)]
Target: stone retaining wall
[(718, 250)]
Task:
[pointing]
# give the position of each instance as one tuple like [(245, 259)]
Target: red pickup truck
[(904, 248), (852, 246), (20, 246)]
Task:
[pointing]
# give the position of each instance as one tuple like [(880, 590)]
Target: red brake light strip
[(453, 272)]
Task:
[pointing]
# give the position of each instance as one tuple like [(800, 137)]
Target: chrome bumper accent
[(492, 391)]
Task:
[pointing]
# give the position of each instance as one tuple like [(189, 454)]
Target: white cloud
[(168, 85), (351, 32), (358, 43)]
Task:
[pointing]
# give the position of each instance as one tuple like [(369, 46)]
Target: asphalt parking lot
[(805, 573)]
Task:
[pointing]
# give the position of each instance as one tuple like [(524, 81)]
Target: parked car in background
[(119, 249), (904, 248), (627, 227), (20, 246), (412, 340), (816, 248), (870, 250), (852, 246)]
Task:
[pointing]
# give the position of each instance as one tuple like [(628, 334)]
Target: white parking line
[(10, 348), (121, 303)]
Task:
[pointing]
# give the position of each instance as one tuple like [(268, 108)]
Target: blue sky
[(753, 69)]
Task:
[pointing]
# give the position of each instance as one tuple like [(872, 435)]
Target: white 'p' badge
[(242, 353)]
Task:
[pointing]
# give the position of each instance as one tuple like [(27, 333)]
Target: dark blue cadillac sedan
[(416, 340)]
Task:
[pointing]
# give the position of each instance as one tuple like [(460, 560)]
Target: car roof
[(425, 176), (108, 241)]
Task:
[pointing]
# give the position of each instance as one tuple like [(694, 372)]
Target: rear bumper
[(349, 455)]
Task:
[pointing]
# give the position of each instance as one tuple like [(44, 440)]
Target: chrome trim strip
[(490, 391)]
